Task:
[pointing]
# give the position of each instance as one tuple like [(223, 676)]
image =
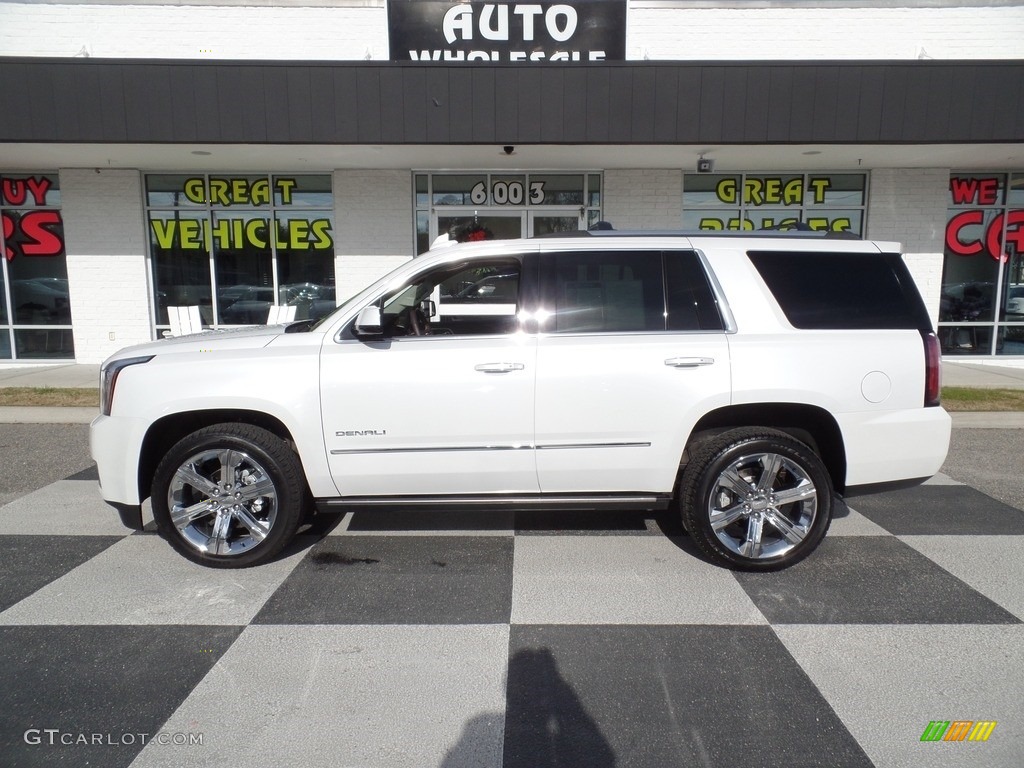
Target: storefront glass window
[(503, 205), (458, 190), (594, 190), (35, 317), (982, 304), (749, 201), (559, 190), (422, 191), (305, 273), (251, 241)]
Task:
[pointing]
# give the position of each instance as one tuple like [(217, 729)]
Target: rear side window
[(690, 301), (842, 291), (627, 291)]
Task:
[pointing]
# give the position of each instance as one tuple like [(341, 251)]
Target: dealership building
[(239, 155)]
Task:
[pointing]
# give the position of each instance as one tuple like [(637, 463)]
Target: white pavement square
[(621, 580), (396, 696), (141, 580)]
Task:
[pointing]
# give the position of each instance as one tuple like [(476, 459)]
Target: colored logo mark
[(958, 730)]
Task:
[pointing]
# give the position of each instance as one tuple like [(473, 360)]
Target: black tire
[(239, 521), (761, 482)]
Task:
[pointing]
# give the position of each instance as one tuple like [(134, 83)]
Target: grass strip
[(982, 399), (49, 396)]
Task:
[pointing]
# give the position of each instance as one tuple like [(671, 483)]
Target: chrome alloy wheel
[(222, 501), (762, 505)]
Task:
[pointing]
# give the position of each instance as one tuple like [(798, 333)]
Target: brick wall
[(373, 226), (106, 255), (876, 32), (643, 198), (908, 205), (195, 32)]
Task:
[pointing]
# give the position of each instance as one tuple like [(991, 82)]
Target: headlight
[(108, 379)]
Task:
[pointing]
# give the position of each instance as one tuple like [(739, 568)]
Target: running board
[(648, 502)]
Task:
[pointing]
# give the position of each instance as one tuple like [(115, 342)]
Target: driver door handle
[(689, 362), (498, 367)]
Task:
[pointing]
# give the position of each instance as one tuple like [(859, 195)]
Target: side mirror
[(368, 322)]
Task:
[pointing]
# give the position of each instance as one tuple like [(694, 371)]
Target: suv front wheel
[(229, 495), (756, 499)]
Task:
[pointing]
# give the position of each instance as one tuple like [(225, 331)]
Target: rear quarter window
[(842, 291)]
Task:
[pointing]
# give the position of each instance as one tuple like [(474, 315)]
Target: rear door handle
[(498, 367), (689, 362)]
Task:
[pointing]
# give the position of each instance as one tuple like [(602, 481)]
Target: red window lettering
[(39, 187), (8, 227), (979, 191), (957, 223), (1014, 221), (42, 236), (991, 241), (12, 191), (34, 233)]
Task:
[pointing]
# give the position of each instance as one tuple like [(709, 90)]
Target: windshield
[(360, 298)]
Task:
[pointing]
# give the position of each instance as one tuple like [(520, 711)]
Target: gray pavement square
[(622, 580), (993, 565), (76, 696), (29, 563), (141, 580), (395, 696), (939, 511), (868, 580), (888, 683), (397, 580), (663, 696), (63, 508)]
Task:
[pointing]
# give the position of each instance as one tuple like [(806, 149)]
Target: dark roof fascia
[(90, 100)]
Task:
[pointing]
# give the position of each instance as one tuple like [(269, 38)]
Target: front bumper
[(115, 445)]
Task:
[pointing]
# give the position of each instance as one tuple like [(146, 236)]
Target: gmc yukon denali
[(744, 380)]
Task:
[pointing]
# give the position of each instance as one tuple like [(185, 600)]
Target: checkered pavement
[(468, 639)]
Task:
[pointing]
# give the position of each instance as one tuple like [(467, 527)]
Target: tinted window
[(842, 290), (604, 292), (691, 303), (456, 300)]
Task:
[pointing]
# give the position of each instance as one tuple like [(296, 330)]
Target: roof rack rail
[(767, 232)]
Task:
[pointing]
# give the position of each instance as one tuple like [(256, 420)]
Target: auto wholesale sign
[(444, 31)]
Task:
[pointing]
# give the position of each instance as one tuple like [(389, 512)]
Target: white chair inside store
[(183, 320), (282, 314)]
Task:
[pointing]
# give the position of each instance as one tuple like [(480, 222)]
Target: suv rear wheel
[(756, 499), (229, 495)]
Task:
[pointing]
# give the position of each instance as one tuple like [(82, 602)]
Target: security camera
[(509, 149), (704, 165)]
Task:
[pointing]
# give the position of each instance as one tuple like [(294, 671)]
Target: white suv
[(745, 378)]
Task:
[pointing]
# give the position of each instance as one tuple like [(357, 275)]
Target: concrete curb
[(988, 420), (11, 414)]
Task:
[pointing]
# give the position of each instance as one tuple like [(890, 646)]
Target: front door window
[(470, 227)]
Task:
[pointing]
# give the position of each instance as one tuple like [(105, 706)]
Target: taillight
[(932, 369)]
